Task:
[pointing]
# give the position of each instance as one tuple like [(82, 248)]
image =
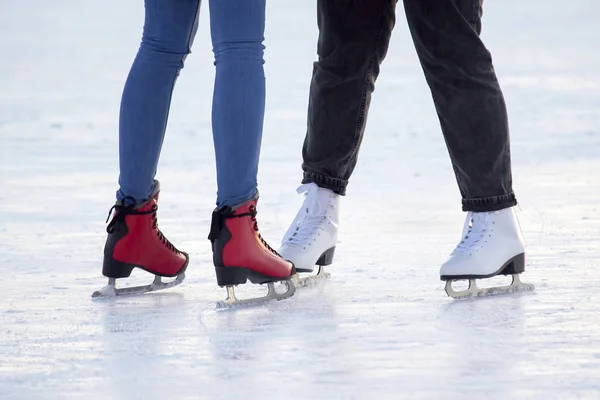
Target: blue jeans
[(237, 31)]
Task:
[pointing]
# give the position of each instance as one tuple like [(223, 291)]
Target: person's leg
[(169, 30), (467, 97), (237, 30), (134, 239), (474, 122), (239, 251), (353, 42)]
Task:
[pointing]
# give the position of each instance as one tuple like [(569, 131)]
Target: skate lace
[(159, 233), (252, 214), (314, 213), (476, 228), (128, 208)]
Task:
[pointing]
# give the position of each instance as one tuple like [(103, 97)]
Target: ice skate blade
[(311, 280), (111, 290), (233, 302), (474, 291)]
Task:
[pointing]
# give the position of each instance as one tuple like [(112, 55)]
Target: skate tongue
[(476, 225), (316, 200), (313, 207), (311, 214)]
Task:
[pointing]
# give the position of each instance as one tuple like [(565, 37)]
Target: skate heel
[(230, 276), (112, 268), (515, 265), (326, 258)]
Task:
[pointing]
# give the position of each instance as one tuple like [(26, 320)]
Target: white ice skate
[(312, 236), (492, 244)]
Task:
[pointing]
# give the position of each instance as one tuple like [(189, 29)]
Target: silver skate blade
[(111, 290), (311, 279), (233, 302), (474, 291)]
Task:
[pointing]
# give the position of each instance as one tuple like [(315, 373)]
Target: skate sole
[(515, 265), (232, 276), (112, 268), (325, 259)]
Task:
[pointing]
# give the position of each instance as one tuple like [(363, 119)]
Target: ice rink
[(382, 327)]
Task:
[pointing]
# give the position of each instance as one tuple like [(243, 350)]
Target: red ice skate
[(241, 254), (134, 241)]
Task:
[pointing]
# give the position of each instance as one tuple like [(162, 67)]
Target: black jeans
[(353, 41)]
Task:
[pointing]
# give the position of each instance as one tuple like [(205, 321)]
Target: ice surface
[(381, 327)]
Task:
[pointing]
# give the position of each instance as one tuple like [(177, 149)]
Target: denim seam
[(361, 113), (194, 29), (505, 198), (191, 36), (488, 204), (325, 179), (335, 184)]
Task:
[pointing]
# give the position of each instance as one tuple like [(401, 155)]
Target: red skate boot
[(134, 240), (240, 254)]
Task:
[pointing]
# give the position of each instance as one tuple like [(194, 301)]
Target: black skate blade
[(111, 290), (473, 291), (272, 295), (310, 280)]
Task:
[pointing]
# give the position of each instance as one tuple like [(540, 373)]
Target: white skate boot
[(312, 236), (491, 244)]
